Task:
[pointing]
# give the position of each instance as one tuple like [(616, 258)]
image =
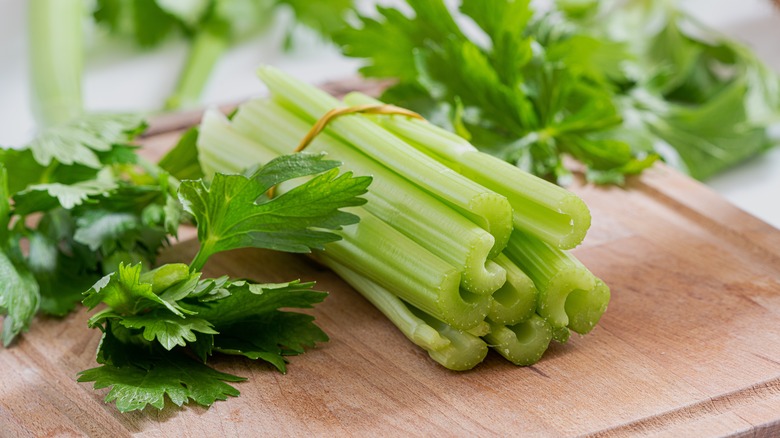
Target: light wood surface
[(690, 345)]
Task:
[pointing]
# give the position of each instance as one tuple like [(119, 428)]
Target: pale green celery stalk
[(221, 149), (542, 209), (482, 206), (409, 271), (412, 211), (451, 348), (569, 294), (56, 59), (375, 249), (206, 49), (522, 344), (515, 302)]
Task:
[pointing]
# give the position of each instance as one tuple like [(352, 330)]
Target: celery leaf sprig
[(173, 319)]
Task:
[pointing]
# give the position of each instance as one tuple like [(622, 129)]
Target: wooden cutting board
[(690, 345)]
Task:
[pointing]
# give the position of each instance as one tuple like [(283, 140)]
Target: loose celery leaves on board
[(151, 316)]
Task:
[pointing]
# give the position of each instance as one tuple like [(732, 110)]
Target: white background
[(119, 78)]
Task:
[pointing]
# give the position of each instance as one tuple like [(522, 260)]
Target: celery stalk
[(206, 49), (541, 208), (219, 145), (516, 300), (451, 348), (569, 294), (410, 210), (482, 206), (56, 59), (522, 344), (380, 252), (387, 257)]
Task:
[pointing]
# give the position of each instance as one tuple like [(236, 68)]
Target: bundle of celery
[(460, 250)]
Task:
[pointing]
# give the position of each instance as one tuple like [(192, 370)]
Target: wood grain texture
[(690, 345)]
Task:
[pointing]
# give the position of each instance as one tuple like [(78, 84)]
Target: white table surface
[(122, 79)]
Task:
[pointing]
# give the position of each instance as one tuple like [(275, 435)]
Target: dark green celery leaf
[(98, 227), (124, 292), (713, 136), (44, 197), (248, 301), (250, 323), (19, 296), (62, 278), (169, 330), (79, 140), (182, 161), (515, 94), (388, 43), (270, 337), (155, 375), (294, 222), (19, 293), (119, 154), (324, 16)]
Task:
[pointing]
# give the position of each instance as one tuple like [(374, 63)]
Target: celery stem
[(206, 49), (56, 59)]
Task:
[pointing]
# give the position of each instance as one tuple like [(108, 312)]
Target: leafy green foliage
[(160, 314), (293, 222), (154, 320), (80, 217), (141, 375), (585, 79), (80, 140), (19, 293), (709, 98)]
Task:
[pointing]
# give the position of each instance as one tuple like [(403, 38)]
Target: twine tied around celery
[(382, 109)]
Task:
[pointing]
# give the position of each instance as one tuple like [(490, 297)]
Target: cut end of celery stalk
[(576, 299), (585, 307), (464, 351), (481, 276), (562, 224), (522, 344), (515, 301), (493, 213)]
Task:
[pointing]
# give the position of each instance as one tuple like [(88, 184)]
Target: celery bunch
[(460, 250)]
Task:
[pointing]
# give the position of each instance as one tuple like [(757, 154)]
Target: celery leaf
[(234, 211)]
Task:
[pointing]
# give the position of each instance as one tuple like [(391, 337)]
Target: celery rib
[(569, 294), (453, 349), (406, 207), (387, 257), (542, 209), (392, 307), (206, 49), (522, 344), (56, 59), (482, 206)]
